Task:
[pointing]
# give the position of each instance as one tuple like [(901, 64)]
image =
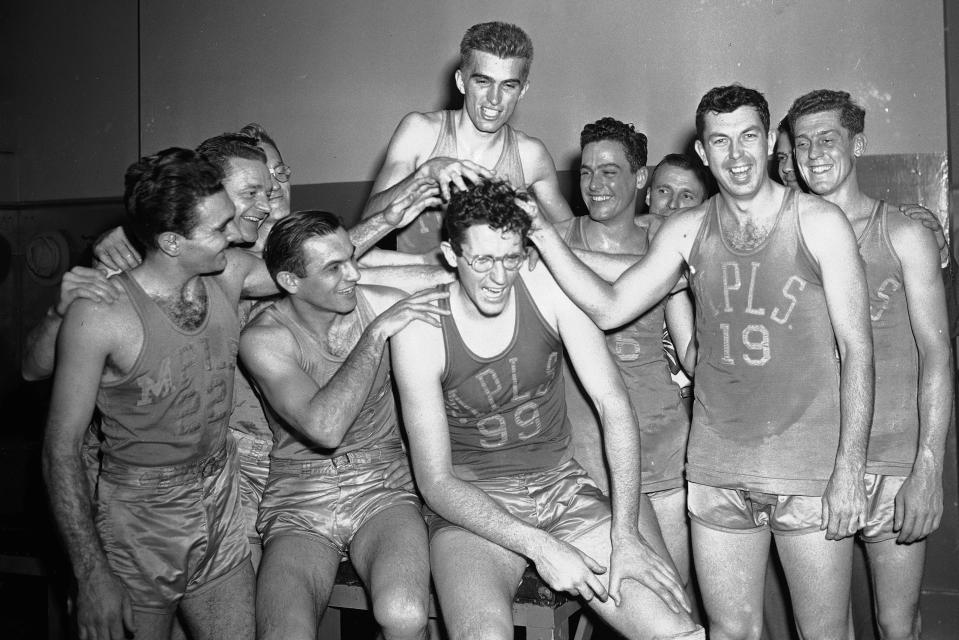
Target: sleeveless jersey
[(173, 407), (506, 414), (248, 416), (894, 438), (766, 412), (637, 349), (424, 233), (375, 423)]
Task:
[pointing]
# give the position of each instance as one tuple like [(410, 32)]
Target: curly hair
[(284, 246), (851, 115), (490, 203), (161, 193), (500, 39), (634, 142), (726, 100)]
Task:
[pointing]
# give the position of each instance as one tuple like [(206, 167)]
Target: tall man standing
[(483, 404), (912, 355), (474, 142), (780, 424)]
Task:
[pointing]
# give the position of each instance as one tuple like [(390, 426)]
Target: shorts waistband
[(168, 476), (288, 466)]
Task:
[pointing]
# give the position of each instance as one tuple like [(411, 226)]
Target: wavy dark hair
[(726, 100), (161, 193), (634, 142)]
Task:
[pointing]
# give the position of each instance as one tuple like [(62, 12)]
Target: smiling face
[(735, 147), (825, 151), (279, 196), (487, 292), (204, 249), (247, 183), (607, 183), (331, 273), (491, 88), (673, 188)]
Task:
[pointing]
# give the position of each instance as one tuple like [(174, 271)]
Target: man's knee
[(899, 625), (736, 628), (401, 614)]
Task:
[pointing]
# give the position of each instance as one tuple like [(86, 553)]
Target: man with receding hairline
[(472, 143)]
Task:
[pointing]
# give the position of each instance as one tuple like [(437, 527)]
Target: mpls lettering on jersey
[(508, 415), (751, 343), (190, 361)]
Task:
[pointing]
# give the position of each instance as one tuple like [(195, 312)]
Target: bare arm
[(919, 502), (386, 258), (545, 184), (632, 556), (324, 413), (639, 288), (413, 138), (103, 606), (39, 353), (408, 278), (681, 324), (418, 364), (832, 243), (608, 266), (410, 202)]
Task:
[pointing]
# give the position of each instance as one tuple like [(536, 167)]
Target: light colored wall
[(331, 79)]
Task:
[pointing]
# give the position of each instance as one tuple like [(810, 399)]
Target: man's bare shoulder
[(418, 127), (535, 157), (909, 235), (544, 289), (814, 207), (112, 328), (265, 337), (381, 297), (684, 223)]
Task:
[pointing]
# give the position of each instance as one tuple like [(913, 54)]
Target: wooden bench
[(542, 612)]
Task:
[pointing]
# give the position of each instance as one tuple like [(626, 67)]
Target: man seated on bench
[(484, 407), (339, 477)]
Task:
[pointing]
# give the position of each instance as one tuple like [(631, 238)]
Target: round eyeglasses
[(281, 172), (482, 264)]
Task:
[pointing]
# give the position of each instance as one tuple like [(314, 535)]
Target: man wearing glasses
[(484, 406)]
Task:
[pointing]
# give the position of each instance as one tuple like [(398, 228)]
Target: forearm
[(935, 411), (409, 278), (608, 266), (72, 509), (856, 407), (623, 450), (39, 351), (467, 506), (385, 258), (370, 231), (331, 411), (380, 200)]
